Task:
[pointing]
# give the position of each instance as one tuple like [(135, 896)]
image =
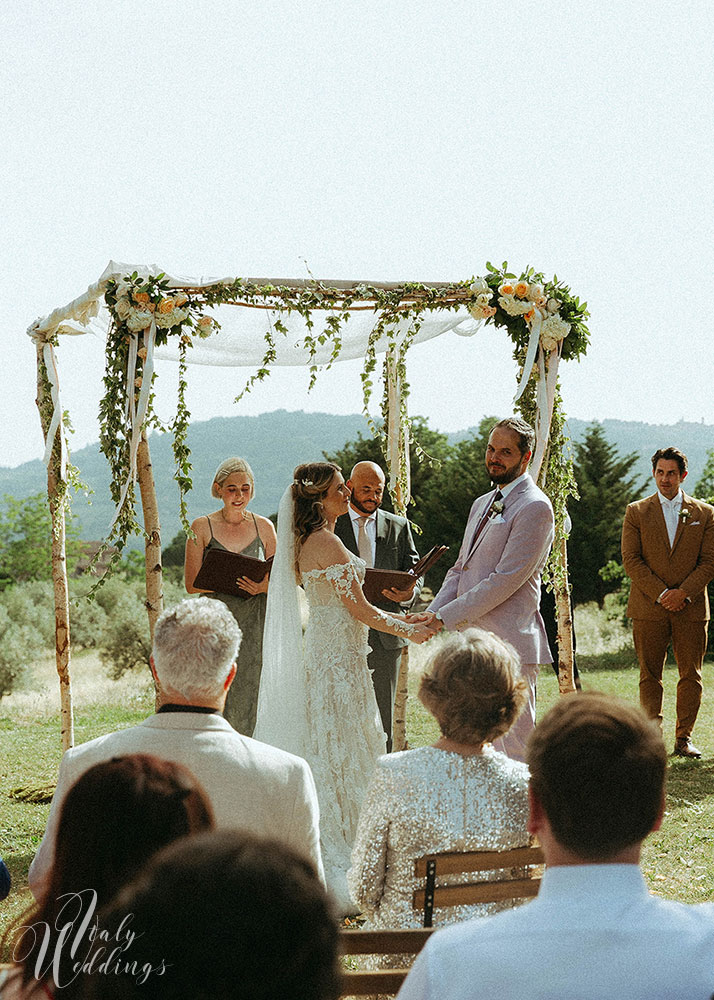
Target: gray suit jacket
[(394, 549), (496, 586), (251, 785)]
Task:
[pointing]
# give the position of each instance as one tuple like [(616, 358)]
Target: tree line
[(446, 478)]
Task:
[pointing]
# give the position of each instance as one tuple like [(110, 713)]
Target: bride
[(321, 705)]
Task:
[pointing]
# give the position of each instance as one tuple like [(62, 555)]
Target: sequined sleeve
[(365, 878)]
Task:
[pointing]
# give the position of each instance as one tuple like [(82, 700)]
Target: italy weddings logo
[(77, 945)]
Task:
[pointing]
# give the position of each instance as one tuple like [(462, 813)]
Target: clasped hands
[(426, 618), (673, 600)]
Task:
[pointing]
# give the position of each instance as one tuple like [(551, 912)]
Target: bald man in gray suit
[(386, 543)]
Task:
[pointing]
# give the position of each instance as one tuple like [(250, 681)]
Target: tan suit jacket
[(654, 567)]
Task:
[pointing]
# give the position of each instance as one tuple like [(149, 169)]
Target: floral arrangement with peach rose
[(514, 301)]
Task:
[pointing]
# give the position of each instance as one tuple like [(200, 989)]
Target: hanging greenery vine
[(146, 312)]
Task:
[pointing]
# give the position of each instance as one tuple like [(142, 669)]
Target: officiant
[(233, 528), (384, 541)]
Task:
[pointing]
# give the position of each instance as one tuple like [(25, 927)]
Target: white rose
[(122, 308), (483, 299), (548, 343), (165, 321), (553, 305), (535, 292), (479, 286), (514, 307)]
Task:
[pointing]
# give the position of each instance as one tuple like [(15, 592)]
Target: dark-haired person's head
[(113, 819), (225, 916), (671, 455), (597, 778), (119, 813)]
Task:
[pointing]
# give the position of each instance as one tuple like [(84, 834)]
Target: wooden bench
[(522, 886), (360, 983), (408, 942)]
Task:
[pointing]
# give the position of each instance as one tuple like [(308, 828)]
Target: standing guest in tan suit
[(668, 553)]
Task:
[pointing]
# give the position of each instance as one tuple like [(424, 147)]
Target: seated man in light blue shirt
[(596, 791)]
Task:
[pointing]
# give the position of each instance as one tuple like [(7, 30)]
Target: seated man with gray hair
[(252, 786)]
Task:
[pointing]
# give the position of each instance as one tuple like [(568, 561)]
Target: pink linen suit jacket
[(497, 585)]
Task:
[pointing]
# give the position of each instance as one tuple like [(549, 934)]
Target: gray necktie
[(364, 546)]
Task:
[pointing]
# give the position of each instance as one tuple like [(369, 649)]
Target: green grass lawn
[(678, 860)]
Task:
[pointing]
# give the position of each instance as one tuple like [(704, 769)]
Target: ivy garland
[(135, 302)]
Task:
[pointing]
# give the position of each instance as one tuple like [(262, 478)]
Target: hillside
[(274, 443)]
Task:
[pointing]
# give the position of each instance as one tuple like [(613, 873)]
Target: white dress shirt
[(593, 931), (671, 509), (370, 527)]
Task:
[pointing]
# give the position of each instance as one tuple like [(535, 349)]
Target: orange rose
[(529, 315), (521, 289), (506, 289), (205, 321), (150, 306), (166, 305), (140, 296)]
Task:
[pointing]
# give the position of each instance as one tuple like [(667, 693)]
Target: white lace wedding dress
[(345, 734)]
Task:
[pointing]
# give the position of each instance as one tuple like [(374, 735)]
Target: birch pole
[(566, 654), (152, 529), (398, 453), (56, 487)]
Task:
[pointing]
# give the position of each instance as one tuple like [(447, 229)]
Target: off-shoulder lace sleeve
[(344, 578), (365, 878)]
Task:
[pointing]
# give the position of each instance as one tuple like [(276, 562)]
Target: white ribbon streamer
[(48, 355), (530, 354), (137, 414), (547, 382)]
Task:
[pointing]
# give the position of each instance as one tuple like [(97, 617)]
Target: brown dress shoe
[(683, 747)]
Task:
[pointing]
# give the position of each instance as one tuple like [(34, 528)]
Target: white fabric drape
[(282, 699), (241, 340)]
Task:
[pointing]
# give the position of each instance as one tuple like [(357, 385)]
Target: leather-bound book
[(220, 569)]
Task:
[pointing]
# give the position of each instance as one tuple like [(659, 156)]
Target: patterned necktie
[(364, 546), (498, 496)]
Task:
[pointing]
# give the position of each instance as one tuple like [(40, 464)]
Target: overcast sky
[(372, 140)]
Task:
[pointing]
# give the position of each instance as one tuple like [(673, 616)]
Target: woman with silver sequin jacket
[(457, 795)]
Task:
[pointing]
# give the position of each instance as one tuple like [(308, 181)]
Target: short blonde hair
[(473, 687), (227, 468)]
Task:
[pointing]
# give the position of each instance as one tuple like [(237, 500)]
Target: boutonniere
[(496, 509), (684, 514)]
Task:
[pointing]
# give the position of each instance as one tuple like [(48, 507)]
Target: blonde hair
[(226, 469), (473, 687)]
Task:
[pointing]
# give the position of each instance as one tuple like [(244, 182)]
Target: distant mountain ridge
[(274, 443)]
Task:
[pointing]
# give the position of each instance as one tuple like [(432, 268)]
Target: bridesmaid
[(235, 529)]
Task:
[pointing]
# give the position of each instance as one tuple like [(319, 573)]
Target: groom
[(495, 582), (384, 541)]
